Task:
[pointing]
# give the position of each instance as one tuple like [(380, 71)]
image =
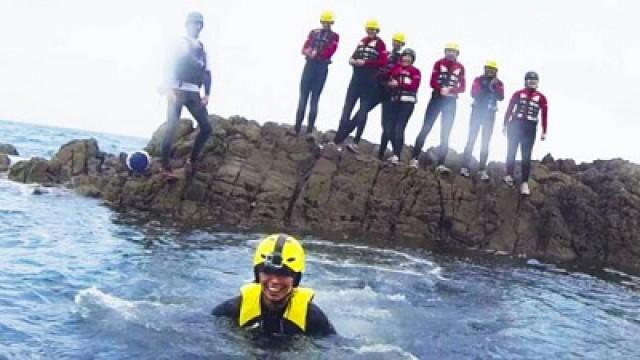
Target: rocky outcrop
[(259, 176), (5, 162), (8, 149)]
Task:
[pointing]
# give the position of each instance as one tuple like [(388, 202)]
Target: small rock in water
[(39, 191), (534, 262)]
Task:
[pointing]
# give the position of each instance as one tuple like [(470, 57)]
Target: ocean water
[(79, 281)]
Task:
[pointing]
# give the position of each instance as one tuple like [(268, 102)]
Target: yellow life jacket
[(296, 311)]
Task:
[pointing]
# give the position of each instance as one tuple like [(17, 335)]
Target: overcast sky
[(97, 64)]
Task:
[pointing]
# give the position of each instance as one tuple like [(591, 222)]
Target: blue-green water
[(79, 281)]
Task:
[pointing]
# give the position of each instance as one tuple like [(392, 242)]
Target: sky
[(97, 65)]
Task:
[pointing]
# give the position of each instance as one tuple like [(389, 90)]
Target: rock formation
[(256, 176)]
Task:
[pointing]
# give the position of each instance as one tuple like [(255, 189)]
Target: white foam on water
[(367, 293), (395, 351), (93, 303)]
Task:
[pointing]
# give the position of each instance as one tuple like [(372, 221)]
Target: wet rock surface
[(254, 176)]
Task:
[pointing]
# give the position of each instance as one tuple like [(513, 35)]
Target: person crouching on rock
[(404, 83), (190, 71), (520, 126), (274, 304)]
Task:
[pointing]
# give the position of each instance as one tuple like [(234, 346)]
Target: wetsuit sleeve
[(544, 108), (512, 103), (308, 42), (476, 88), (317, 322), (229, 308), (462, 84), (435, 77), (499, 89), (333, 46), (207, 82)]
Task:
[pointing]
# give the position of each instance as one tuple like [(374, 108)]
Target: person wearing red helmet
[(367, 60), (404, 82), (318, 49), (520, 126), (447, 81)]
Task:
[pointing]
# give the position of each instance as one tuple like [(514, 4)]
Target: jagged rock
[(8, 149), (36, 170), (5, 162), (263, 177)]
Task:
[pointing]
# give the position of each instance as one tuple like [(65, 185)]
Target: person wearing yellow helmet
[(447, 81), (367, 60), (486, 91), (397, 43), (318, 49), (274, 303)]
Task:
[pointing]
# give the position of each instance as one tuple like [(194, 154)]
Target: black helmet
[(195, 17), (531, 75), (409, 52)]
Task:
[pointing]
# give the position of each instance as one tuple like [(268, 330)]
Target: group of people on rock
[(380, 76), (388, 77)]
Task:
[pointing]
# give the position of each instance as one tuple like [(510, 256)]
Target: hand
[(172, 96), (306, 52), (314, 52), (543, 137), (205, 100), (394, 83), (352, 61), (445, 91)]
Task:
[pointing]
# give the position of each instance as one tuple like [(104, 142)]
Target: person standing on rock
[(397, 43), (447, 81), (318, 49), (486, 91), (370, 55), (274, 304), (520, 126), (189, 72), (404, 83)]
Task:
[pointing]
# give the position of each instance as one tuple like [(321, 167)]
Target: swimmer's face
[(275, 287)]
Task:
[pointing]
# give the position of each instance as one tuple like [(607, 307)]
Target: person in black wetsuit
[(190, 72), (397, 43), (274, 304), (318, 49)]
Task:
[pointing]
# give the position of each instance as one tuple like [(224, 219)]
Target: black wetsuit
[(273, 323), (190, 68)]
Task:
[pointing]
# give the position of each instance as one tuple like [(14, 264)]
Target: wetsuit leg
[(387, 127), (174, 108), (487, 131), (513, 142), (199, 112), (528, 138), (448, 116), (316, 90), (305, 90), (405, 110), (371, 97), (353, 93), (474, 127), (430, 116)]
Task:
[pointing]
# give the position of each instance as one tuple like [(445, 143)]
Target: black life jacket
[(367, 50), (449, 77), (528, 106), (486, 98), (191, 67)]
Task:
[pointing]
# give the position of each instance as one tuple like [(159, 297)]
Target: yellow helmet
[(280, 253), (327, 16), (400, 37), (372, 24), (491, 64), (452, 46)]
